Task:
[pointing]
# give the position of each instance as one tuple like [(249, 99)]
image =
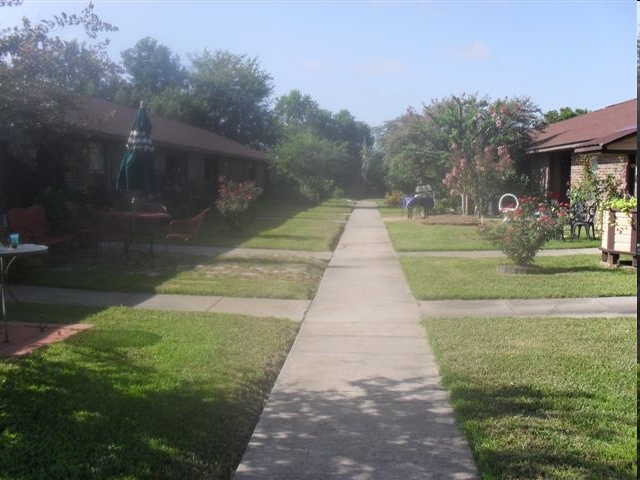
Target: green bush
[(394, 199), (526, 229), (446, 205)]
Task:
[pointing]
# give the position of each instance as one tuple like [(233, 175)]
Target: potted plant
[(619, 228)]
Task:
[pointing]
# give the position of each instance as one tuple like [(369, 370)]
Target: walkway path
[(359, 395), (296, 309)]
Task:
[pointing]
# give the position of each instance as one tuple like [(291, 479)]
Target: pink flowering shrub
[(527, 228), (235, 198), (478, 173)]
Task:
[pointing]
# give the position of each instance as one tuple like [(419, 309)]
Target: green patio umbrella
[(137, 172)]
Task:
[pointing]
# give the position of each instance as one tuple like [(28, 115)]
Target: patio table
[(138, 221), (8, 256)]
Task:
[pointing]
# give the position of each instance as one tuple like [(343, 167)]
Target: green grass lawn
[(287, 277), (390, 211), (415, 236), (141, 395), (152, 395), (566, 276), (277, 224), (550, 398)]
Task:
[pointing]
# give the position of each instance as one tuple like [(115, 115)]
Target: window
[(176, 175)]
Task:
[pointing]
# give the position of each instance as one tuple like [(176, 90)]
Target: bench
[(31, 224)]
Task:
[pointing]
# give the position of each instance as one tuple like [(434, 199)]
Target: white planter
[(619, 235)]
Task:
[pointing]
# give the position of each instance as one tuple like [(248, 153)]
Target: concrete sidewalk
[(296, 309), (359, 395), (258, 307)]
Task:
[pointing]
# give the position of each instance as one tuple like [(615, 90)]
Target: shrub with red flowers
[(235, 198), (527, 228)]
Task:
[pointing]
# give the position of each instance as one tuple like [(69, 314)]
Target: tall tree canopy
[(295, 110), (553, 116), (230, 95), (412, 152), (313, 163), (467, 142), (222, 92), (152, 68), (39, 72), (298, 113), (42, 77)]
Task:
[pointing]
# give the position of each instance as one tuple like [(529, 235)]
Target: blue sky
[(376, 59)]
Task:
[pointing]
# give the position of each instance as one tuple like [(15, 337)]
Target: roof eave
[(590, 149), (603, 144), (208, 151), (554, 148)]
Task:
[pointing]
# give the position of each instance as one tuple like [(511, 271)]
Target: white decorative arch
[(512, 199)]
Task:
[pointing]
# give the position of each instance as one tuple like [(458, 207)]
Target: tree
[(40, 73), (296, 112), (41, 76), (465, 140), (478, 173), (152, 69), (484, 138), (553, 116), (229, 94), (353, 135), (372, 170), (310, 161), (409, 145)]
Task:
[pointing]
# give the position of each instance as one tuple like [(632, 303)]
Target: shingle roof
[(111, 120), (596, 128)]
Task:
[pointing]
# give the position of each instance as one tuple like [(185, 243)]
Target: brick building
[(607, 138), (188, 160), (186, 157)]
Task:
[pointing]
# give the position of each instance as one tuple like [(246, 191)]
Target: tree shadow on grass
[(92, 409), (385, 428), (550, 270), (375, 428), (537, 423)]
